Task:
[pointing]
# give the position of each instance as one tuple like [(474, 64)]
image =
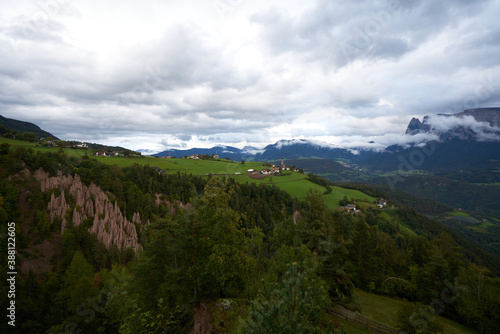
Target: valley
[(205, 240)]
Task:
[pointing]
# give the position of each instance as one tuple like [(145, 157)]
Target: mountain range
[(470, 139), (466, 140)]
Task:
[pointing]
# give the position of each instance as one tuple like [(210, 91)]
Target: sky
[(162, 74)]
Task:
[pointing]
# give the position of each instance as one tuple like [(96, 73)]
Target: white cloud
[(483, 130), (251, 73)]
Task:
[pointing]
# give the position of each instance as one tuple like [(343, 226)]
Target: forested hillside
[(12, 127), (473, 196), (244, 247)]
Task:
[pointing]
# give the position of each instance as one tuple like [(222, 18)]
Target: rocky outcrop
[(489, 115), (109, 224), (416, 126), (113, 228), (297, 217), (58, 208), (484, 125), (57, 182), (202, 323), (171, 206)]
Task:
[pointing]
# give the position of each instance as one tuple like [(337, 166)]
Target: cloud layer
[(161, 74)]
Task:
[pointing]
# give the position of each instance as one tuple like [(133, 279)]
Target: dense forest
[(287, 260)]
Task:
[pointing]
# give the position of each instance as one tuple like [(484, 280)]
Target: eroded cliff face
[(109, 224)]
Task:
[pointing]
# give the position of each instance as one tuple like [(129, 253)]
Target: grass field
[(37, 148), (477, 229), (297, 185), (486, 224), (459, 213), (192, 166), (383, 309)]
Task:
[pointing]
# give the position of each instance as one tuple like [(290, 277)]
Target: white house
[(381, 203)]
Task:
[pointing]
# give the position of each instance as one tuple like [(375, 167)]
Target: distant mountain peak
[(482, 124), (416, 126), (290, 142)]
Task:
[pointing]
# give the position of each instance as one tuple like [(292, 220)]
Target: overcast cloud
[(163, 74)]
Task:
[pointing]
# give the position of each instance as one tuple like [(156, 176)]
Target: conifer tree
[(288, 308)]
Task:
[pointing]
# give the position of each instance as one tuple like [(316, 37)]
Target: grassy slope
[(459, 213), (37, 148), (383, 309), (297, 185)]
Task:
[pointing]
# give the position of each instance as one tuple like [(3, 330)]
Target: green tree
[(318, 220), (78, 281), (344, 201), (148, 322), (280, 262), (479, 299), (286, 233), (413, 318), (431, 277), (320, 236), (4, 148), (28, 136), (121, 298), (290, 307), (362, 253), (222, 261), (162, 271)]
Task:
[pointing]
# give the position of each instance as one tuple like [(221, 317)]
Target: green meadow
[(297, 185), (459, 214), (74, 152), (383, 309)]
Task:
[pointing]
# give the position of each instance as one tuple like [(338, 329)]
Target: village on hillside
[(353, 210), (273, 169)]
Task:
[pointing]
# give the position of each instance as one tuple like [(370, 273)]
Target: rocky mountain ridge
[(489, 115), (449, 126)]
